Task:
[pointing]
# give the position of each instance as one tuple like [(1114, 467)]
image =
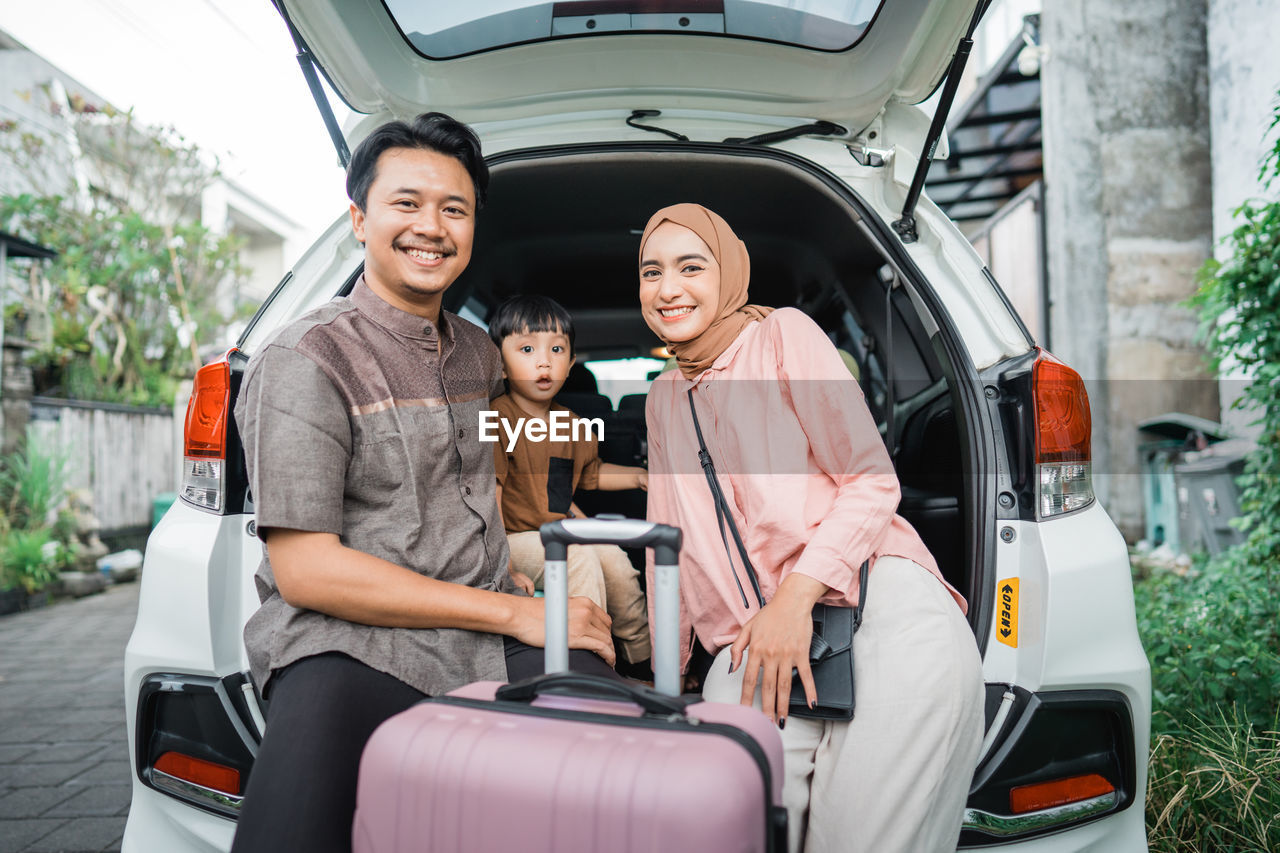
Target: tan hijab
[(733, 314)]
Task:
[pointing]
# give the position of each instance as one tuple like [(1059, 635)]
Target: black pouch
[(831, 662)]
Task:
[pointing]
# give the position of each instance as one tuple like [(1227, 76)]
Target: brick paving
[(64, 760)]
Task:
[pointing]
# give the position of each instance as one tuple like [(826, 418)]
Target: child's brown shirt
[(538, 478)]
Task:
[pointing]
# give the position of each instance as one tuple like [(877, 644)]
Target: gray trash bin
[(1162, 442), (1209, 498)]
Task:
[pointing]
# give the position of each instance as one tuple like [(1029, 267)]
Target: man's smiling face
[(418, 226)]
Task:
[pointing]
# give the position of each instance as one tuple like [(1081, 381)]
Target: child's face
[(536, 364)]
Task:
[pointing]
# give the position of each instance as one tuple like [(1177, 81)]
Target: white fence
[(124, 455)]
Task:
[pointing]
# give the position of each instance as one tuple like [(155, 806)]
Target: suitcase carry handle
[(664, 539), (589, 686), (614, 530)]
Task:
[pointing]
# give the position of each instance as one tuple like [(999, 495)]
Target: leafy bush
[(1239, 303), (1215, 787), (115, 314), (33, 482), (1213, 640), (26, 560)]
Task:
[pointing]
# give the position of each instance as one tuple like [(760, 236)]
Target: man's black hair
[(530, 313), (429, 131)]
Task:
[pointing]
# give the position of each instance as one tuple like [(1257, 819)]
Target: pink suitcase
[(567, 762)]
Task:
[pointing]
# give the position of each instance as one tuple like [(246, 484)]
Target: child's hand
[(614, 478), (523, 581)]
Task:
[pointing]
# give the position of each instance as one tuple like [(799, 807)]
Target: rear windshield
[(442, 29)]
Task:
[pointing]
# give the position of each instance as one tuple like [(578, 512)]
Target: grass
[(1215, 787), (1213, 639)]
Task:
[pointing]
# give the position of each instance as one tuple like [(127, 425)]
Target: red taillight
[(205, 437), (1064, 479), (1060, 792), (1062, 412), (206, 430), (207, 774)]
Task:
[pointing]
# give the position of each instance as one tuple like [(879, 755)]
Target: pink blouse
[(801, 464)]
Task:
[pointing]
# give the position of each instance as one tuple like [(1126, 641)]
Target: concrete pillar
[(15, 406), (1127, 176), (1244, 78)]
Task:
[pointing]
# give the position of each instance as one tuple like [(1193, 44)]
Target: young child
[(537, 479)]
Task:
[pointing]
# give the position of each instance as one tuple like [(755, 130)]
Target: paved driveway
[(64, 762)]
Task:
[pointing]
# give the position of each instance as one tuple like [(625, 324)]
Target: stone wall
[(1128, 206)]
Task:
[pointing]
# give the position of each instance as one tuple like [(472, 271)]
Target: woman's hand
[(589, 626), (778, 638)]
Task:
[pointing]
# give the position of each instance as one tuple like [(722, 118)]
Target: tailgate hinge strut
[(906, 226), (307, 61)]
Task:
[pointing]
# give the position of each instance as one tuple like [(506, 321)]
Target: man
[(384, 576)]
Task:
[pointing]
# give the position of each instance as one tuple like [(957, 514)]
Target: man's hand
[(589, 626), (315, 571), (523, 581), (778, 638)]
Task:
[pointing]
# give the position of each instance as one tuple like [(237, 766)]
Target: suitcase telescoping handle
[(664, 539)]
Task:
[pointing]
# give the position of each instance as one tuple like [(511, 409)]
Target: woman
[(813, 492)]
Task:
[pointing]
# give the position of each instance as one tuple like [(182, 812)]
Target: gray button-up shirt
[(362, 420)]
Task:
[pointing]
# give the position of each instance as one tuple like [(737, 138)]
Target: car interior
[(568, 226)]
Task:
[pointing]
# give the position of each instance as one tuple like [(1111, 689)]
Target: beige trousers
[(602, 573), (896, 776)]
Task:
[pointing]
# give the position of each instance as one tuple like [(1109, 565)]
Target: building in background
[(126, 457), (1096, 152), (272, 241), (37, 96)]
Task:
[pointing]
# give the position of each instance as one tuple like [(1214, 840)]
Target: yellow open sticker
[(1007, 612)]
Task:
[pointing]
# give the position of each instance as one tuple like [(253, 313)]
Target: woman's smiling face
[(679, 283)]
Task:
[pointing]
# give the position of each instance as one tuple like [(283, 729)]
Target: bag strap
[(723, 515), (862, 594)]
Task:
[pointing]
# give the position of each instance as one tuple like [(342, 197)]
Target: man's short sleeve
[(497, 384), (297, 442)]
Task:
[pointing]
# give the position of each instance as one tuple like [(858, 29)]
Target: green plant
[(64, 528), (63, 556), (1215, 786), (33, 482), (26, 559), (32, 487), (1213, 641), (1239, 303)]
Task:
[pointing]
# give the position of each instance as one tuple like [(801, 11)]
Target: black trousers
[(323, 709)]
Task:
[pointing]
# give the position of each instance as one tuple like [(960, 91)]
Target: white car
[(796, 120)]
